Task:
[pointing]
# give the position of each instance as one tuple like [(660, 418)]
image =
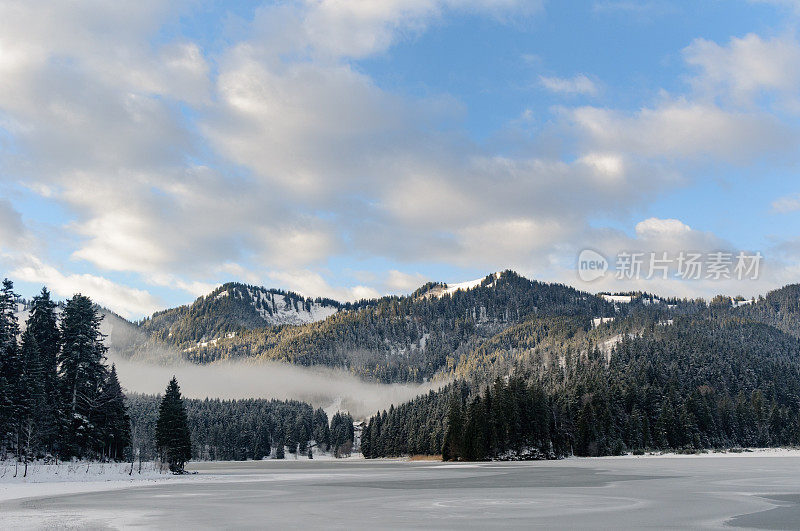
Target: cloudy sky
[(150, 150)]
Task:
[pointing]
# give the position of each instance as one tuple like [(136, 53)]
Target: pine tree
[(43, 326), (365, 440), (342, 434), (11, 367), (33, 397), (172, 429), (321, 431), (280, 453), (112, 418), (452, 448), (82, 374)]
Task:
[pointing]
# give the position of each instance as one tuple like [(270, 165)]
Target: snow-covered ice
[(752, 489)]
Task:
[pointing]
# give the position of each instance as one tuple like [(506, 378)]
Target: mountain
[(780, 308), (231, 308), (682, 376), (537, 369), (475, 329), (391, 339)]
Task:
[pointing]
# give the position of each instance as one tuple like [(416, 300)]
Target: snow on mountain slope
[(284, 308), (277, 307), (618, 298), (441, 290)]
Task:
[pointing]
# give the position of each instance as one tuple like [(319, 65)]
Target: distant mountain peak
[(440, 289), (276, 306)]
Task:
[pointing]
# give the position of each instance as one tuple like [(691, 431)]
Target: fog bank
[(322, 387)]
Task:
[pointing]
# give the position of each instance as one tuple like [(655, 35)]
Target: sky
[(152, 150)]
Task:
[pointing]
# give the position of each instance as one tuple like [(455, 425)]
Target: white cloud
[(195, 288), (356, 29), (312, 284), (628, 7), (579, 84), (661, 227), (404, 283), (609, 166), (13, 232), (790, 4), (746, 67), (122, 299), (655, 236), (789, 203), (681, 129), (312, 159)]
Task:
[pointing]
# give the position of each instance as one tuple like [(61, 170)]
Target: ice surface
[(760, 490)]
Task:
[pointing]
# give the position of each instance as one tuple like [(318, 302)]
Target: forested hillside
[(231, 308), (391, 339), (539, 370), (780, 308), (551, 387)]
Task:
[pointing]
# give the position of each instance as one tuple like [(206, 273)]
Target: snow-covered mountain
[(234, 307), (440, 289), (278, 307)]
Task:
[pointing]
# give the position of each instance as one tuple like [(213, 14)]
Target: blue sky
[(349, 149)]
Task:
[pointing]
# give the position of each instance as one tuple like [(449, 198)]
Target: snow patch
[(618, 298), (597, 321), (463, 286), (280, 309)]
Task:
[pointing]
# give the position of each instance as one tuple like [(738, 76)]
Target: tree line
[(58, 397), (703, 381), (244, 429)]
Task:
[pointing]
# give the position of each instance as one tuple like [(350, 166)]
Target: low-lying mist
[(146, 368), (327, 388)]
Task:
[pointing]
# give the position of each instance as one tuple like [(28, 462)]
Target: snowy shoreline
[(743, 452), (73, 478)]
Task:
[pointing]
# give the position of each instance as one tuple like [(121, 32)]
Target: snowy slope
[(441, 290), (278, 308)]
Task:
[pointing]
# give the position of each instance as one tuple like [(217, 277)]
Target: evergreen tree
[(280, 453), (366, 449), (342, 434), (452, 448), (33, 398), (43, 327), (172, 429), (112, 418), (11, 367), (321, 430), (82, 373)]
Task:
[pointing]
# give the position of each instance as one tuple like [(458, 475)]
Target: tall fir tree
[(112, 418), (321, 432), (172, 429), (342, 434), (82, 374), (452, 448), (43, 326), (11, 367), (280, 452), (33, 397)]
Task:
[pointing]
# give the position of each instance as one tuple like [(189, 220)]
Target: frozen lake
[(698, 491)]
